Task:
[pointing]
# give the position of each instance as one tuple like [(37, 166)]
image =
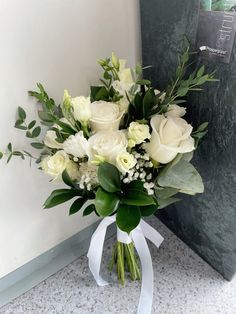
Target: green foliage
[(200, 133), (106, 203), (181, 175), (109, 177), (59, 196), (128, 217), (76, 206), (136, 197), (88, 210), (148, 210)]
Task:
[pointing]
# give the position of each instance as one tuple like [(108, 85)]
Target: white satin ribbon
[(138, 237)]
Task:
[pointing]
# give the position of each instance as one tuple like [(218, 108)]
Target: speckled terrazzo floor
[(184, 284)]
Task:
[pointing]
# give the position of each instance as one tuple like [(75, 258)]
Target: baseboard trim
[(47, 264)]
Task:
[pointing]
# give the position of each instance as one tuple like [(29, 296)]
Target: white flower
[(88, 174), (170, 136), (157, 92), (123, 104), (72, 170), (105, 116), (76, 145), (56, 164), (107, 145), (50, 140), (82, 110), (125, 82), (138, 133), (125, 162), (175, 111)]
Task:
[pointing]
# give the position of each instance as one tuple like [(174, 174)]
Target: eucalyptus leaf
[(165, 192), (182, 176), (37, 145), (166, 202), (128, 217), (21, 113)]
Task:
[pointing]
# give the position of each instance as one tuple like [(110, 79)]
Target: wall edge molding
[(47, 264)]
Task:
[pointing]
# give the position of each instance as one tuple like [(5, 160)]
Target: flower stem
[(125, 259)]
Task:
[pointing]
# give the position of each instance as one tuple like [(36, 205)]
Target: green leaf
[(166, 202), (105, 203), (182, 91), (31, 124), (9, 147), (98, 93), (165, 192), (181, 175), (202, 127), (149, 101), (36, 131), (88, 210), (1, 155), (143, 82), (66, 179), (109, 177), (21, 113), (9, 158), (37, 145), (66, 127), (29, 134), (148, 210), (45, 116), (136, 184), (75, 207), (137, 198), (59, 196), (200, 72), (128, 217)]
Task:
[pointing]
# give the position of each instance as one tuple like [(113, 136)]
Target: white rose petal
[(50, 140), (175, 111), (56, 164), (76, 145), (138, 133), (105, 116), (125, 162), (170, 136), (82, 110), (107, 145)]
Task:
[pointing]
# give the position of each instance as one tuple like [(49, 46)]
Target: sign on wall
[(216, 29)]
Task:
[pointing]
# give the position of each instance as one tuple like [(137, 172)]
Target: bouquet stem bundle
[(125, 260)]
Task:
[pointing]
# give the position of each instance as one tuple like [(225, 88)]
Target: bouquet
[(123, 152)]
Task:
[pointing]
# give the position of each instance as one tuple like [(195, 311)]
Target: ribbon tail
[(95, 250), (146, 296), (151, 234)]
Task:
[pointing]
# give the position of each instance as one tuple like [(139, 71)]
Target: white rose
[(82, 110), (170, 136), (76, 145), (107, 145), (72, 170), (105, 116), (50, 140), (56, 164), (138, 133), (125, 82), (125, 161), (175, 111)]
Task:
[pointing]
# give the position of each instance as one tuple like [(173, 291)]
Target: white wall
[(56, 42)]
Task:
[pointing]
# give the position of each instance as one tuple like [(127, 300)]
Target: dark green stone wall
[(207, 222)]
